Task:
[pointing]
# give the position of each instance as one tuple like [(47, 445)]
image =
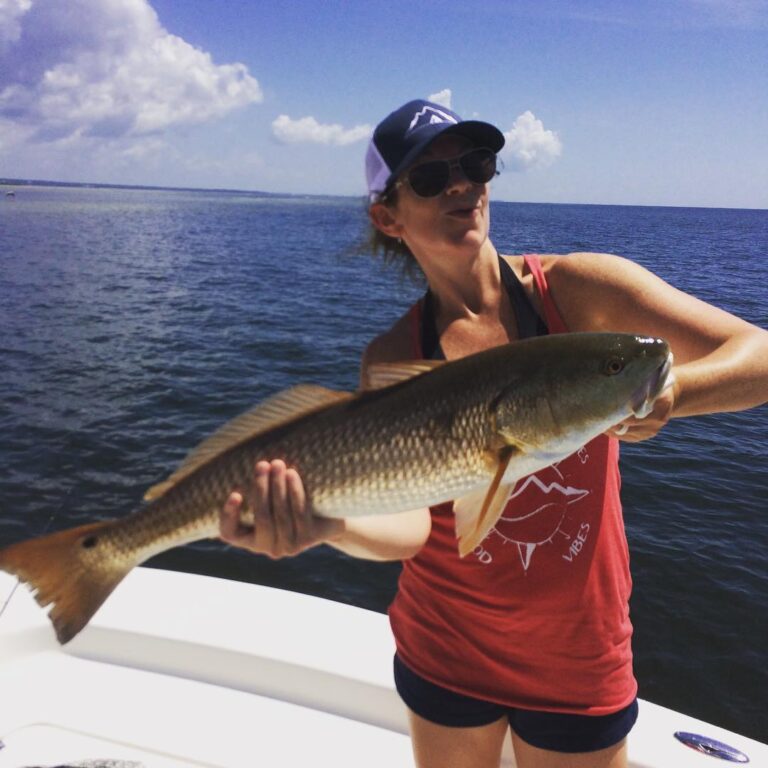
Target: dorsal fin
[(279, 409), (380, 375)]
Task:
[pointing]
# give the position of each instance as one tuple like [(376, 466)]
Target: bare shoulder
[(570, 267), (574, 279), (604, 292), (391, 346), (592, 289), (590, 267)]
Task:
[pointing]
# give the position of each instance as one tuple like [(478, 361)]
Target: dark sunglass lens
[(479, 166), (429, 179)]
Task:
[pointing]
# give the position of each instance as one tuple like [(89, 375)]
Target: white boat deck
[(181, 670)]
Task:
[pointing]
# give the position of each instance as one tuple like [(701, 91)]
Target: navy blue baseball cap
[(404, 134)]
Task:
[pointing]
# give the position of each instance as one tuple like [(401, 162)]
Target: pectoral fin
[(478, 512)]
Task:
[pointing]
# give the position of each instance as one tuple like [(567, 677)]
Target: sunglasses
[(431, 178)]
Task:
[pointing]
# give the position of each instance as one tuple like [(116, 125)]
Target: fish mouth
[(643, 398)]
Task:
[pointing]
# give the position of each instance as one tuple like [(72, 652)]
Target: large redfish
[(431, 432)]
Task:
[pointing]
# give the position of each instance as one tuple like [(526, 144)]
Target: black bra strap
[(529, 323)]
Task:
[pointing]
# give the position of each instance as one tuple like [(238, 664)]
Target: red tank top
[(537, 616)]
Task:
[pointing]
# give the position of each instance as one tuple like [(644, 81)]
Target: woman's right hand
[(283, 521)]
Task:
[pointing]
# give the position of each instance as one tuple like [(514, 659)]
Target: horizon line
[(18, 182)]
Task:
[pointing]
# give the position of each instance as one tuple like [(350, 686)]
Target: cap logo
[(429, 116)]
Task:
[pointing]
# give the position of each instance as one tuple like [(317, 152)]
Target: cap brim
[(483, 134)]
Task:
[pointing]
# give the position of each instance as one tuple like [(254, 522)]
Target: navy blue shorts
[(546, 730)]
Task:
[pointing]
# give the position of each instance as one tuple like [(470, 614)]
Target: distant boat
[(10, 194)]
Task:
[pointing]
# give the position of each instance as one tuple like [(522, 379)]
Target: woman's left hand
[(634, 429)]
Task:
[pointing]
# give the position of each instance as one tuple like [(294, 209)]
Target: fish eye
[(613, 365)]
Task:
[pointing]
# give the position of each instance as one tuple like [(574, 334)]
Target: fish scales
[(382, 459), (345, 470)]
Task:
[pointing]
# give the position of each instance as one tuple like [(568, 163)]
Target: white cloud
[(443, 98), (308, 130), (107, 69), (529, 144), (11, 12)]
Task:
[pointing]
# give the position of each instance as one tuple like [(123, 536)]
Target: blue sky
[(644, 102)]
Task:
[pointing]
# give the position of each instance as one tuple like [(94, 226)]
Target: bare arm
[(721, 361), (384, 537)]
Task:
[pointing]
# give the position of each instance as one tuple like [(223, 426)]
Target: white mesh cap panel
[(376, 172)]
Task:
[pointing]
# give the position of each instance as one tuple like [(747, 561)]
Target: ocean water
[(135, 322)]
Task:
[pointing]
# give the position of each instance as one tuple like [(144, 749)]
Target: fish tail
[(68, 571)]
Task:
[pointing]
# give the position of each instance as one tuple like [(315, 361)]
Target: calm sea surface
[(133, 323)]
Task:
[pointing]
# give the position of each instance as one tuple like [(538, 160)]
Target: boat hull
[(184, 670)]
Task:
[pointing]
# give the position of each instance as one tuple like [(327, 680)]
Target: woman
[(530, 633)]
